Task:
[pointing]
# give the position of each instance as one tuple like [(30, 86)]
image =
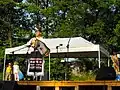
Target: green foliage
[(83, 76), (32, 8), (95, 20), (6, 1), (117, 29), (14, 26), (58, 69), (1, 74), (2, 52)]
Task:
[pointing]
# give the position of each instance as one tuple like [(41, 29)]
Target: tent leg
[(99, 58), (4, 67), (108, 62), (49, 66)]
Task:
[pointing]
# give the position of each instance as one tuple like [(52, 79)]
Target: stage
[(73, 85)]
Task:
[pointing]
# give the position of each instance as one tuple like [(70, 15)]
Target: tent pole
[(4, 67), (49, 66), (108, 62), (99, 56)]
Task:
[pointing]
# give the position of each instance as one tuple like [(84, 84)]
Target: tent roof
[(78, 47)]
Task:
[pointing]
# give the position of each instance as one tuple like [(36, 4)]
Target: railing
[(76, 84)]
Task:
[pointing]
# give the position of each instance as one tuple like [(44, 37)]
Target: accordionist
[(37, 50)]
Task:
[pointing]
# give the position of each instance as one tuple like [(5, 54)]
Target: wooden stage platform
[(76, 85)]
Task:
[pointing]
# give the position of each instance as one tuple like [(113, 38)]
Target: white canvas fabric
[(78, 47)]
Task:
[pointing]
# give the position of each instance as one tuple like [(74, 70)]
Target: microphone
[(12, 52), (59, 46)]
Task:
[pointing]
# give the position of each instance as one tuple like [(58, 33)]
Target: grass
[(83, 76)]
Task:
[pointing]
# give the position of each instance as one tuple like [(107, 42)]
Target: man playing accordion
[(37, 51)]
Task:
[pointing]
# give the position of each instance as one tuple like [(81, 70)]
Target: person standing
[(8, 72), (32, 42), (37, 51), (16, 71), (115, 62)]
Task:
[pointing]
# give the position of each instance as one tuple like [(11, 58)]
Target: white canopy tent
[(77, 47)]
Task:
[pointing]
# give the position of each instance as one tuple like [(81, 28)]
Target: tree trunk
[(10, 37), (46, 21)]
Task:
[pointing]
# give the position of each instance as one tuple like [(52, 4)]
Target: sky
[(24, 1)]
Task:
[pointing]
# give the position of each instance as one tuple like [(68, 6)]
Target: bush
[(83, 76)]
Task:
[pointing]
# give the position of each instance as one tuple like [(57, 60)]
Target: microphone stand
[(67, 57), (57, 50), (58, 47)]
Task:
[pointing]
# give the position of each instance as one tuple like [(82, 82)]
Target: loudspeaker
[(106, 73), (8, 85)]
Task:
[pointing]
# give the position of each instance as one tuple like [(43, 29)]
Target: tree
[(14, 25), (94, 20), (98, 21)]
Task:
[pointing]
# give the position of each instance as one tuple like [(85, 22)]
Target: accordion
[(36, 57), (41, 47)]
